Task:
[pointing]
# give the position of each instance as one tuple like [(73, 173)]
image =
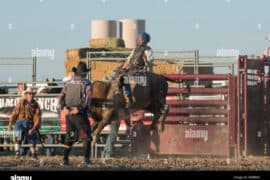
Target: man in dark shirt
[(75, 100)]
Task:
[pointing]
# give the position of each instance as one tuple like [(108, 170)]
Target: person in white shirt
[(141, 58), (267, 51), (142, 55), (21, 88)]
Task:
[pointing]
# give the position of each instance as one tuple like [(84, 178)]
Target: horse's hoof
[(94, 140), (151, 132), (160, 129)]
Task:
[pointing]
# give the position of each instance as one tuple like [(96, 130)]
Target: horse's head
[(107, 102), (115, 93), (106, 96)]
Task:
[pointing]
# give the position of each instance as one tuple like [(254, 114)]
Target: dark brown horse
[(109, 102)]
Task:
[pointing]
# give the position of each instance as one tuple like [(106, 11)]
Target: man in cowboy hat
[(75, 102), (27, 115)]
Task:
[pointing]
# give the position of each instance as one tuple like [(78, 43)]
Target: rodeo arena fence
[(219, 114)]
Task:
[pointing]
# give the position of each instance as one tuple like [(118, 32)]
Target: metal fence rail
[(191, 58), (21, 59)]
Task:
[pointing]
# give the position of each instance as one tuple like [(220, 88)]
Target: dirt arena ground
[(173, 163)]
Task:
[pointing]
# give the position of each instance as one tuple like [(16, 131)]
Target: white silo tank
[(130, 29), (102, 29)]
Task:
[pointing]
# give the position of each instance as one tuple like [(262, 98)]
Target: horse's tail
[(172, 80), (177, 81)]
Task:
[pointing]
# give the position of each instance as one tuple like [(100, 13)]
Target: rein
[(102, 102)]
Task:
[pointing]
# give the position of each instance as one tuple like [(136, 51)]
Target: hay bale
[(73, 56), (101, 69), (180, 68), (106, 43), (80, 53)]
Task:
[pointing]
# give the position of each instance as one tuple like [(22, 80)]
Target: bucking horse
[(149, 92)]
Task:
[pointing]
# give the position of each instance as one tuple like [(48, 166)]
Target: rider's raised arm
[(128, 59)]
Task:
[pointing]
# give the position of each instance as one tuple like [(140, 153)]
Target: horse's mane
[(102, 84)]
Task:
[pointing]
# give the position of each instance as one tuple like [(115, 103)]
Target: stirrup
[(17, 155)]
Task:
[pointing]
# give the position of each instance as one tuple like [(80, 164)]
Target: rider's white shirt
[(148, 54), (267, 52)]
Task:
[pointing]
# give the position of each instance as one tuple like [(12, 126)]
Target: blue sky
[(46, 24)]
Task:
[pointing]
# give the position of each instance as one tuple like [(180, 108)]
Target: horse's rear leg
[(94, 126), (157, 114), (164, 113)]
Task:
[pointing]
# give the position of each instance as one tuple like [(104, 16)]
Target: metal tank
[(129, 29), (103, 29)]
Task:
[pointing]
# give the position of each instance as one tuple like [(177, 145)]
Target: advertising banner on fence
[(48, 105)]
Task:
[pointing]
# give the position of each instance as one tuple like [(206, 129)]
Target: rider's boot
[(130, 102)]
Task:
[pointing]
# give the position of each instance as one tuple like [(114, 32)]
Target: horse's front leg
[(94, 126), (105, 121)]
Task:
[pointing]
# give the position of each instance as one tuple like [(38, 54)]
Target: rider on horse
[(140, 59)]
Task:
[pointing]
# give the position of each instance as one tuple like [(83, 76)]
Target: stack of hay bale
[(99, 69), (103, 39), (110, 43)]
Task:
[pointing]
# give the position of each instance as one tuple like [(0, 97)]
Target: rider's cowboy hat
[(81, 68), (28, 90)]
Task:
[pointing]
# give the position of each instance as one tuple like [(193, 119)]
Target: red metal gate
[(253, 96), (203, 123), (266, 125)]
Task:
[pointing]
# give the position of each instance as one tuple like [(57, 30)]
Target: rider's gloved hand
[(125, 69)]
